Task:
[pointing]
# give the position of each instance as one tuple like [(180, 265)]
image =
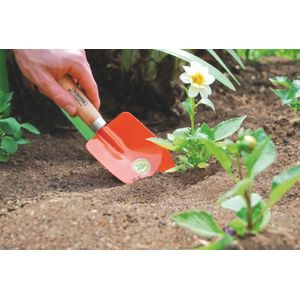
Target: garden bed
[(54, 195)]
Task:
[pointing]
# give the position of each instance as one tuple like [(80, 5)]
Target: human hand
[(44, 67)]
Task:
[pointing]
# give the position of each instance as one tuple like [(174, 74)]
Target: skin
[(43, 67)]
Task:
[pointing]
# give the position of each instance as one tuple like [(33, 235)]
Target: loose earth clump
[(54, 195)]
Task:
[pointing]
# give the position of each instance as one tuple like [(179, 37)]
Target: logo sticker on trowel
[(141, 166)]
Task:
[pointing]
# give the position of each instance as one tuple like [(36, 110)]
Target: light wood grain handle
[(85, 109)]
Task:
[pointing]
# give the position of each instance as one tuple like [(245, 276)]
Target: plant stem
[(247, 194), (238, 161), (192, 116), (247, 198)]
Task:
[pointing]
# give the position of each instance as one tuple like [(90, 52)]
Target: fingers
[(50, 88), (83, 73)]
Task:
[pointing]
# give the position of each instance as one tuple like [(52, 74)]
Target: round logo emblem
[(141, 166)]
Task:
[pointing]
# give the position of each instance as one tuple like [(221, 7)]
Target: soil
[(54, 195)]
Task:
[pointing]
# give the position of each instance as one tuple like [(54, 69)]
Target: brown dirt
[(53, 195)]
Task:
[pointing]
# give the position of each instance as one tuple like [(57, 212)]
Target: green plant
[(190, 143), (243, 160), (11, 130), (256, 54), (289, 93)]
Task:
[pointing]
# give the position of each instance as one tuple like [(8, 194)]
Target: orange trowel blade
[(122, 148)]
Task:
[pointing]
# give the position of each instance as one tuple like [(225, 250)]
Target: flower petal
[(193, 92), (209, 79), (185, 78), (188, 70), (195, 65), (204, 92)]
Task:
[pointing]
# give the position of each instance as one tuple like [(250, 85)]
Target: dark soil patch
[(53, 195)]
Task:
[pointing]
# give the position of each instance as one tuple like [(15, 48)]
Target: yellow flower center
[(198, 78)]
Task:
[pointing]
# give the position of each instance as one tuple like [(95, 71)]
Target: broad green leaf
[(228, 127), (3, 108), (199, 222), (221, 156), (236, 203), (260, 216), (221, 62), (177, 141), (261, 219), (170, 137), (173, 170), (5, 99), (205, 129), (23, 141), (282, 94), (179, 136), (9, 145), (220, 244), (163, 143), (188, 57), (283, 182), (202, 165), (127, 58), (238, 189), (11, 127), (260, 158), (239, 226), (4, 157), (30, 128), (236, 57), (197, 136), (208, 103), (181, 131), (281, 80)]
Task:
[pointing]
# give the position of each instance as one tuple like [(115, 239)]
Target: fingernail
[(71, 109)]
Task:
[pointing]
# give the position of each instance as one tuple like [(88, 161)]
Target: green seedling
[(289, 92), (252, 153), (190, 142), (11, 130)]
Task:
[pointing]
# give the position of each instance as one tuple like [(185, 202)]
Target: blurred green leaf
[(30, 128), (23, 141), (222, 157), (260, 158), (282, 183), (9, 145), (208, 103), (239, 226), (199, 222), (11, 127), (127, 59), (188, 57), (236, 57), (236, 203), (4, 157), (221, 62), (219, 244), (281, 80), (227, 128), (238, 189), (163, 143)]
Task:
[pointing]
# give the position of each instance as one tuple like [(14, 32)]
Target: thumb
[(50, 88)]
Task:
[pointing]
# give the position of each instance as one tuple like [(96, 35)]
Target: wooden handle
[(85, 109)]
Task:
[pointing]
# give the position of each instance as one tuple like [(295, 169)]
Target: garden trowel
[(121, 145)]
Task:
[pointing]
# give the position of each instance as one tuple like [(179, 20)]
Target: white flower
[(199, 79)]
